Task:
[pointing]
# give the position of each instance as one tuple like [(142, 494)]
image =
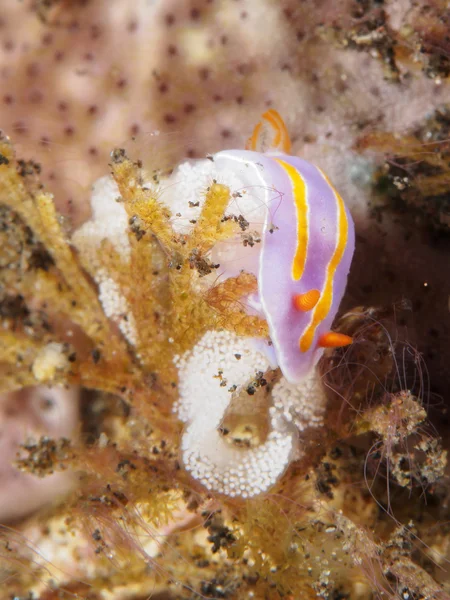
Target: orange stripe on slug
[(301, 206), (323, 306), (334, 340), (307, 301)]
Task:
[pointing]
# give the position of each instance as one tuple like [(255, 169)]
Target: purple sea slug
[(307, 246)]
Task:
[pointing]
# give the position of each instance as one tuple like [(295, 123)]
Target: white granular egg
[(220, 467)]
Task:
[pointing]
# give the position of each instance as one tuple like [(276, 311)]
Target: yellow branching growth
[(44, 288), (151, 234), (144, 210), (211, 226), (226, 298), (20, 192)]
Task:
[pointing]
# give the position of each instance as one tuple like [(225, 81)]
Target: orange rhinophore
[(279, 137), (252, 142)]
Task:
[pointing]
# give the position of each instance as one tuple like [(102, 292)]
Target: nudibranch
[(306, 244), (307, 247)]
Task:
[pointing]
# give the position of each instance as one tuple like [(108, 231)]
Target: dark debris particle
[(258, 382), (326, 479), (124, 467), (220, 535), (40, 258), (28, 167), (95, 355), (4, 160), (118, 156), (135, 226), (242, 222), (201, 264), (45, 456), (335, 453), (13, 307), (213, 589), (250, 239), (120, 497)]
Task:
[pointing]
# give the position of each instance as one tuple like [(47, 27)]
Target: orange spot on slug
[(334, 340), (307, 301)]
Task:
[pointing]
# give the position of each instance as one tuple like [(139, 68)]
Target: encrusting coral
[(182, 421)]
